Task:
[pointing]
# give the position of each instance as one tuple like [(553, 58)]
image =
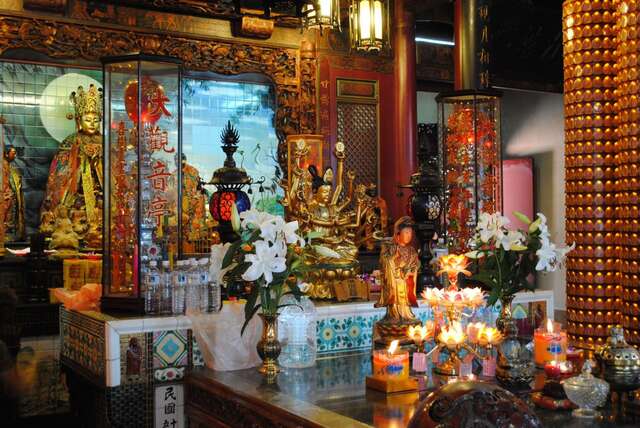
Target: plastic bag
[(87, 298), (219, 339)]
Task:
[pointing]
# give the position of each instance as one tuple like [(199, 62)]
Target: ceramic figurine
[(399, 264), (75, 175)]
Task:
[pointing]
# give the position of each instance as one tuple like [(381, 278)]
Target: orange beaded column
[(589, 70), (627, 162)]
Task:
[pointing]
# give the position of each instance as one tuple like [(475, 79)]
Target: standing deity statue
[(399, 264), (75, 176), (13, 197), (194, 211)]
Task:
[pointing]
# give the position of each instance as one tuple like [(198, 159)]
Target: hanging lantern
[(369, 23), (321, 14)]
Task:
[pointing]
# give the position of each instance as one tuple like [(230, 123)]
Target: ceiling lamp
[(321, 14), (369, 21)]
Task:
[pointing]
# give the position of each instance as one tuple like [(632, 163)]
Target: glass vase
[(269, 347)]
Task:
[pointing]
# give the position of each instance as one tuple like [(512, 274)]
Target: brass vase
[(505, 317), (269, 347)]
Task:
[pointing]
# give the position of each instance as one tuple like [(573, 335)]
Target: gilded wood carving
[(69, 41)]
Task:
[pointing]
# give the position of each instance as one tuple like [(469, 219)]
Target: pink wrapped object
[(85, 299)]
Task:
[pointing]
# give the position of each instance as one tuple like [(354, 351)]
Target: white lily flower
[(265, 262), (546, 256), (270, 228), (513, 240), (290, 235), (216, 273), (255, 218)]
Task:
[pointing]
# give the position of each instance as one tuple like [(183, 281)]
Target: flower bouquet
[(505, 259), (270, 254)]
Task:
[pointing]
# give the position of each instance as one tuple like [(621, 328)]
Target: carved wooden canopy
[(293, 73)]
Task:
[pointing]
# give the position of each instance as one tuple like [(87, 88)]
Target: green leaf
[(248, 318), (314, 234), (230, 255)]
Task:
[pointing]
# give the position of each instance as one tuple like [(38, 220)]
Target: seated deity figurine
[(75, 175), (399, 264), (328, 209), (64, 240)]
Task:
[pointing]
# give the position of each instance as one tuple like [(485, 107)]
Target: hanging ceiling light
[(321, 14), (369, 21)]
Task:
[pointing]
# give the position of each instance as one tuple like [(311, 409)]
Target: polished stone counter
[(331, 394)]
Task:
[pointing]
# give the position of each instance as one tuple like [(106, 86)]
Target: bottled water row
[(187, 287)]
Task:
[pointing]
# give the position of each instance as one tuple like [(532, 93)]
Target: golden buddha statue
[(399, 264), (13, 197), (64, 240), (75, 176), (328, 209)]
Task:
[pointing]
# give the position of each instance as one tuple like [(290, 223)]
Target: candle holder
[(550, 344), (391, 371)]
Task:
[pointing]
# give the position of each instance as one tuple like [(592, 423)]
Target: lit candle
[(489, 336), (549, 344), (558, 369), (452, 335), (391, 364)]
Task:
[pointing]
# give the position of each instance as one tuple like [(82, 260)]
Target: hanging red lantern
[(153, 101)]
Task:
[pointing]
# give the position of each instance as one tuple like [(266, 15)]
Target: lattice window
[(358, 129)]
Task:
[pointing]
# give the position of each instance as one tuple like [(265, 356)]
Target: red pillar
[(405, 120)]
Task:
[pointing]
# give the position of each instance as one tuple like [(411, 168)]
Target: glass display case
[(142, 153), (469, 135)]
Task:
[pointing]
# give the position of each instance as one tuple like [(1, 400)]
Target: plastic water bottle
[(179, 288), (166, 292), (193, 282), (151, 277), (203, 271), (214, 295)]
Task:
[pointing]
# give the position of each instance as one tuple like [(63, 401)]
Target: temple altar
[(331, 394), (319, 213)]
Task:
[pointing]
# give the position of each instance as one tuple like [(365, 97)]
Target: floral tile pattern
[(196, 359), (170, 348), (352, 332), (169, 374)]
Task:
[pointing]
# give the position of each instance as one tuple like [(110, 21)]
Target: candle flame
[(489, 336), (420, 332), (549, 325), (453, 264), (452, 335), (392, 347)]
